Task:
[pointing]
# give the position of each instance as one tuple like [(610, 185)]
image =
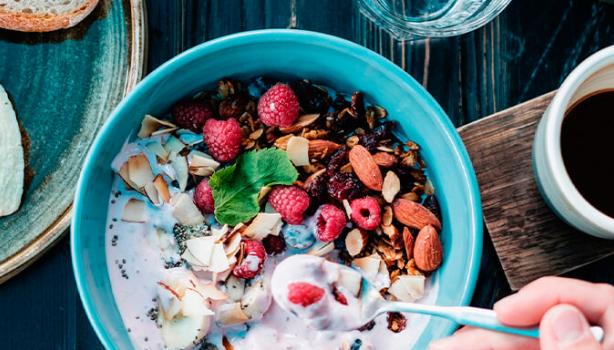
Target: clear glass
[(412, 19)]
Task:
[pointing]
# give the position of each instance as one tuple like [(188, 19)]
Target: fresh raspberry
[(203, 197), (330, 221), (223, 138), (252, 263), (366, 212), (342, 186), (291, 202), (304, 294), (279, 106), (274, 244), (191, 115), (341, 299)]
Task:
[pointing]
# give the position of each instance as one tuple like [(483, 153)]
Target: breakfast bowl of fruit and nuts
[(272, 149)]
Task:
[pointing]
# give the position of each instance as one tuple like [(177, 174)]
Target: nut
[(318, 149), (408, 243), (391, 186), (301, 122), (385, 160), (414, 215), (427, 249), (411, 196), (365, 168), (355, 241), (387, 216)]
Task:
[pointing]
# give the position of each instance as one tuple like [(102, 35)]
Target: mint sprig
[(235, 188)]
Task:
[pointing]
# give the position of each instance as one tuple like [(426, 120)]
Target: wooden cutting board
[(530, 240)]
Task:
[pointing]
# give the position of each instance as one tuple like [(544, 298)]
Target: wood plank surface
[(530, 240), (525, 52)]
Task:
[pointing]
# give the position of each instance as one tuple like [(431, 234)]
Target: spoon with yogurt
[(332, 296)]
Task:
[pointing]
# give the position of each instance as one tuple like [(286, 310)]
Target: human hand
[(564, 308)]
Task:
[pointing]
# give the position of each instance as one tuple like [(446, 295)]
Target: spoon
[(373, 304)]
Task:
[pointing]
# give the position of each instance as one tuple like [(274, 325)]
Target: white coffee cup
[(595, 74)]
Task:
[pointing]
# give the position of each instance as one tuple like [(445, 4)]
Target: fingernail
[(569, 325), (505, 301)]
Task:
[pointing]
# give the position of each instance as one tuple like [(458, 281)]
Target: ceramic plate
[(63, 86)]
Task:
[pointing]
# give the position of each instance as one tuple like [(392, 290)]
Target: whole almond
[(408, 243), (365, 168), (414, 215), (320, 149), (385, 160), (427, 249)]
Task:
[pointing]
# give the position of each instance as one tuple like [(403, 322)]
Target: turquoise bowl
[(284, 53)]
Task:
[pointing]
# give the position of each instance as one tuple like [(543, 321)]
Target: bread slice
[(43, 15), (11, 158)]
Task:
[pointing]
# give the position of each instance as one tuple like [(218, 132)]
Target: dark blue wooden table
[(525, 52)]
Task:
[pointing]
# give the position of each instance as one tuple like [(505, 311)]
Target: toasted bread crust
[(32, 22)]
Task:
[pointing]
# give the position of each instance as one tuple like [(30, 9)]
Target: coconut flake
[(139, 170), (201, 248), (201, 164), (134, 211), (180, 164), (151, 125), (263, 225), (230, 314), (162, 188), (298, 150), (391, 186), (219, 260), (184, 210), (408, 288)]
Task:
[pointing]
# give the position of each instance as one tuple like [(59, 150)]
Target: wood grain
[(530, 240)]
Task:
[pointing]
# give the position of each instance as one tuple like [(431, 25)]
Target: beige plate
[(63, 85)]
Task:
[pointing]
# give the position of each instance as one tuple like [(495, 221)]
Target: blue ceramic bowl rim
[(248, 37)]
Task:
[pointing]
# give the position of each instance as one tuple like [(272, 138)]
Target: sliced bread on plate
[(43, 15)]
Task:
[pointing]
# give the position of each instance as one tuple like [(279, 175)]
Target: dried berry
[(233, 106), (337, 160), (396, 322), (357, 106), (367, 326), (339, 297), (344, 186), (315, 185), (371, 140), (274, 244), (431, 203), (312, 98)]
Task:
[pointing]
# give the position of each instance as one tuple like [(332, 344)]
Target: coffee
[(587, 146)]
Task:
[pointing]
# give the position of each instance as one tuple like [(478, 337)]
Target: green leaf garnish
[(236, 187)]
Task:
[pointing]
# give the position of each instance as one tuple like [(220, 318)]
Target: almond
[(391, 186), (394, 235), (318, 149), (408, 243), (301, 122), (414, 215), (355, 241), (385, 160), (427, 249), (365, 168)]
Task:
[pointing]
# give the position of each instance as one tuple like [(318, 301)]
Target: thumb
[(565, 327)]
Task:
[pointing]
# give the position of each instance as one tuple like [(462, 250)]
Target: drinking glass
[(412, 19)]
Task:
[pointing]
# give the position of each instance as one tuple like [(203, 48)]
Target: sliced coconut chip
[(169, 300), (348, 208), (139, 170), (184, 210), (153, 126), (201, 248), (219, 233), (180, 164), (350, 280), (156, 148), (196, 264), (355, 241), (303, 121), (230, 314), (369, 265), (321, 248), (193, 303), (210, 291), (232, 244), (162, 187), (391, 186), (235, 288), (382, 279), (173, 146), (201, 164), (123, 173), (264, 191), (189, 137), (134, 211), (182, 333), (152, 193), (219, 260), (407, 288), (298, 150), (263, 225), (256, 300)]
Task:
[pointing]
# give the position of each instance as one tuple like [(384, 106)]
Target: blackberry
[(313, 99), (274, 244), (344, 186)]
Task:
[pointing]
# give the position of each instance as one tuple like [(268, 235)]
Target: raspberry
[(203, 197), (252, 262), (279, 106), (366, 212), (274, 244), (304, 294), (191, 115), (223, 138), (291, 202), (330, 222), (341, 299), (344, 186)]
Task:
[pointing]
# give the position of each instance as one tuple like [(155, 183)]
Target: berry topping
[(191, 115), (298, 236), (366, 212), (279, 106), (274, 244), (341, 299), (330, 222), (203, 197), (291, 202), (344, 186), (252, 262), (223, 138), (304, 294)]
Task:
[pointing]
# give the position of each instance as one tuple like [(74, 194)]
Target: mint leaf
[(236, 187)]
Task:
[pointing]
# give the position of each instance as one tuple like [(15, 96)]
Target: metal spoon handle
[(473, 316)]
